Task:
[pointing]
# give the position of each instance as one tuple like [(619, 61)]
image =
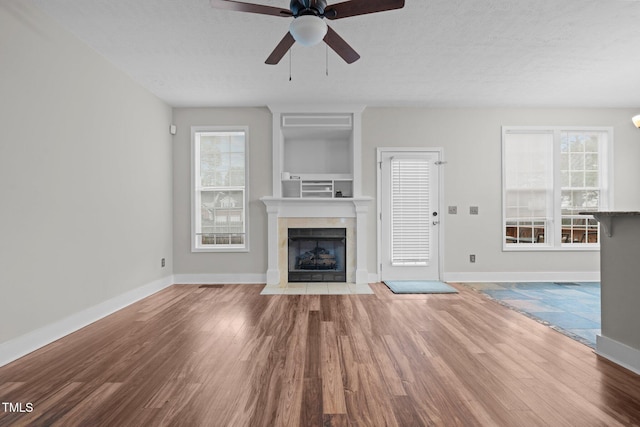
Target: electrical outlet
[(453, 210), (472, 258), (162, 262), (473, 210)]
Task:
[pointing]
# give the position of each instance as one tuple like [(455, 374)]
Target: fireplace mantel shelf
[(317, 206), (297, 200)]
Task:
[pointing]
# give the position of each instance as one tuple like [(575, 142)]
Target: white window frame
[(553, 242), (196, 243)]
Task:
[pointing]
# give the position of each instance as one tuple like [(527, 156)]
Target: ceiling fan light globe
[(308, 30), (636, 120)]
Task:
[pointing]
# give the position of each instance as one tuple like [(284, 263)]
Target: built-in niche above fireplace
[(317, 255), (317, 184)]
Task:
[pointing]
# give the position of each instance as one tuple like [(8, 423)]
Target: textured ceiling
[(441, 53)]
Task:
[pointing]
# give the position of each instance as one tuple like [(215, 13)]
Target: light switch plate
[(453, 210), (473, 210)]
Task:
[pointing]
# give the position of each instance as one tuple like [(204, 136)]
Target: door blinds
[(410, 210)]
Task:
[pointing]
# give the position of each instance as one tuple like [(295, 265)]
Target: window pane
[(236, 169), (591, 179), (592, 142), (591, 161), (528, 178), (577, 161), (577, 179), (576, 143), (582, 192)]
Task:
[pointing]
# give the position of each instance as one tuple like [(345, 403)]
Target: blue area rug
[(419, 287), (572, 308)]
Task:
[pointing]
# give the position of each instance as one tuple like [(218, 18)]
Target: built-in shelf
[(316, 151), (324, 188)]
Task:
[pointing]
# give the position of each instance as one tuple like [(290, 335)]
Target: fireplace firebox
[(317, 254)]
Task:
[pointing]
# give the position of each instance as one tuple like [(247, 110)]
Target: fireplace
[(317, 254), (284, 214)]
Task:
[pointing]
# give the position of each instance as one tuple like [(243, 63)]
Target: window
[(550, 177), (219, 189)]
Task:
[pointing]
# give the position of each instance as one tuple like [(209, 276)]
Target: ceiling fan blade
[(360, 7), (280, 50), (239, 6), (341, 47)]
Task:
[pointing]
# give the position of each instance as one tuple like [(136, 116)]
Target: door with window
[(409, 214)]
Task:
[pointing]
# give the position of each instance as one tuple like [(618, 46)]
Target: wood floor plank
[(228, 356), (88, 409), (311, 414), (333, 401)]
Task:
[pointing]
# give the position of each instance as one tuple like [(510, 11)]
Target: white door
[(409, 214)]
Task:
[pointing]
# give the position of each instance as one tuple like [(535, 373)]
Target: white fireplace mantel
[(278, 207)]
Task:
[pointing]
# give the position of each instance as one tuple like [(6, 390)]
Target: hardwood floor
[(227, 356)]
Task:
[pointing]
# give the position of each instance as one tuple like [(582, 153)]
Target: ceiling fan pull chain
[(290, 64), (326, 59)]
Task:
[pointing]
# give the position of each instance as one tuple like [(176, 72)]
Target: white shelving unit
[(319, 188)]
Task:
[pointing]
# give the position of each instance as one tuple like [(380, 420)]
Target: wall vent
[(334, 121)]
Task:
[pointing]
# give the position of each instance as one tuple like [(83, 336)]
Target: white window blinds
[(410, 210), (528, 176)]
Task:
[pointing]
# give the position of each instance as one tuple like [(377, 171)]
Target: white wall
[(85, 177), (222, 267), (471, 139)]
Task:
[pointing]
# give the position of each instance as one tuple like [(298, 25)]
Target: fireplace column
[(273, 272), (361, 210)]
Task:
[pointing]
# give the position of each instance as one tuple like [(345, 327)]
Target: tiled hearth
[(317, 289)]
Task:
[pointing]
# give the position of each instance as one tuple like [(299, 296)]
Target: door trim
[(440, 152)]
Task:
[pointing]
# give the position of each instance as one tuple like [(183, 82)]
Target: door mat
[(419, 287)]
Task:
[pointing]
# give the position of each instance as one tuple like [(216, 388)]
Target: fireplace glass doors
[(317, 254)]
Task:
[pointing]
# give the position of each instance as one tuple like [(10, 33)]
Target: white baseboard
[(31, 341), (618, 353), (221, 279), (515, 276)]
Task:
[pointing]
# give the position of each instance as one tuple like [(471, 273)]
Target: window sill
[(523, 247), (220, 250)]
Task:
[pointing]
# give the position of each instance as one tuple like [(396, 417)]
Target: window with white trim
[(219, 200), (551, 178)]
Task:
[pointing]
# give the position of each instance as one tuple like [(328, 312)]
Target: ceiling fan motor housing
[(307, 7)]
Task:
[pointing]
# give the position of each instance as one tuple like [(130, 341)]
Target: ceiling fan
[(308, 27)]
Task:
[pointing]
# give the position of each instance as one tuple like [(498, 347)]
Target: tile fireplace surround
[(285, 213)]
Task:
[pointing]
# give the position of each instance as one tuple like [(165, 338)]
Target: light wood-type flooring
[(228, 356)]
